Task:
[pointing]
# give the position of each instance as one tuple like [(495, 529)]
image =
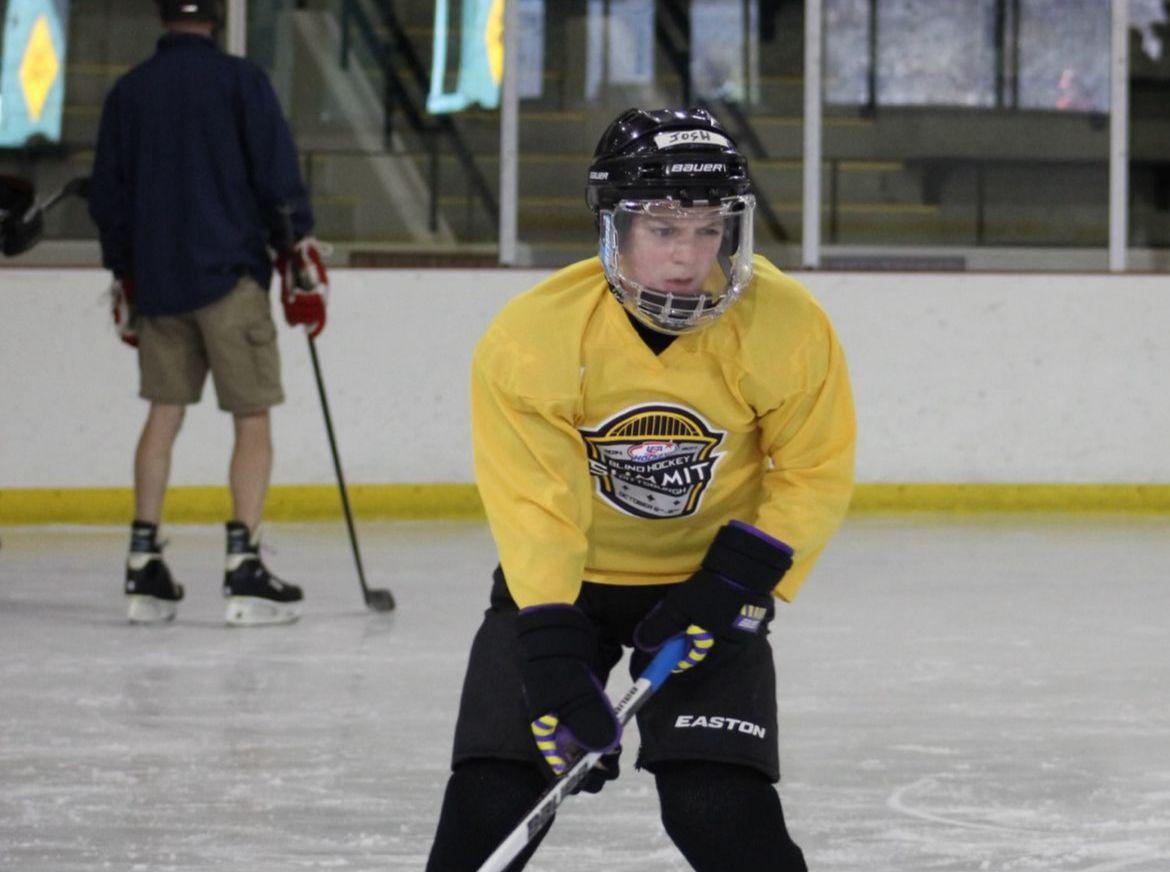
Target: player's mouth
[(679, 286)]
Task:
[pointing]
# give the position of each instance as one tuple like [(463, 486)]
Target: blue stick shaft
[(664, 662)]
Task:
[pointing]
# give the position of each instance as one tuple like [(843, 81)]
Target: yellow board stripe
[(1129, 498), (196, 505)]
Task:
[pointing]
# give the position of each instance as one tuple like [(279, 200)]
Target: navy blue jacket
[(193, 161)]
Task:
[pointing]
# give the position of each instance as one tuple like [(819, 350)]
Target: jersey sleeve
[(532, 473), (272, 158), (809, 438), (109, 204)]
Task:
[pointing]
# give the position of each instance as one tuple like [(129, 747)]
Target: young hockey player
[(195, 175), (664, 441)]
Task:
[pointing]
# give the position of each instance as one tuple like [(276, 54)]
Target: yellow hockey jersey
[(598, 460)]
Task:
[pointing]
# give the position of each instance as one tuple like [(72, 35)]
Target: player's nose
[(683, 250)]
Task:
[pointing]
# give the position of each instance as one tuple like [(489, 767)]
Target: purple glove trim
[(545, 606), (763, 537), (723, 578)]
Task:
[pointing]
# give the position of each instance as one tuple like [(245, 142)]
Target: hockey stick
[(379, 599), (24, 223), (648, 682)]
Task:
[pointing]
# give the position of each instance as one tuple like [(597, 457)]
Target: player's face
[(673, 253)]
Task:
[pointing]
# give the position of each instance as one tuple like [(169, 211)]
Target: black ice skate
[(150, 590), (255, 596)]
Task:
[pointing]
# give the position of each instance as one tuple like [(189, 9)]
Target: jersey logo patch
[(653, 461)]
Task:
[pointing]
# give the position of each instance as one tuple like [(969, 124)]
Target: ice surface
[(979, 693)]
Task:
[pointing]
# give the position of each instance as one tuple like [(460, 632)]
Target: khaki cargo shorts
[(234, 337)]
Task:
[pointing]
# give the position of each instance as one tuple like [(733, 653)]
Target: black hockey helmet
[(210, 11), (659, 177), (676, 154)]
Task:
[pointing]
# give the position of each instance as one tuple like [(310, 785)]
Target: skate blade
[(253, 611), (145, 609)]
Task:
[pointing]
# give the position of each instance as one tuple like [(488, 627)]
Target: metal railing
[(729, 112), (431, 129)]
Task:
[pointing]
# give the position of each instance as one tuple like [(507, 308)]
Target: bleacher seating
[(894, 176)]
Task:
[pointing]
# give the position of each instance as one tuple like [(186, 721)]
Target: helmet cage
[(677, 312)]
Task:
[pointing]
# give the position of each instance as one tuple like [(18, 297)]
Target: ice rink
[(957, 693)]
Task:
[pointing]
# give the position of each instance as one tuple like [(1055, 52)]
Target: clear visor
[(677, 268)]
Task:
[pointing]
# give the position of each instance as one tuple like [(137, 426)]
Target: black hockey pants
[(723, 818)]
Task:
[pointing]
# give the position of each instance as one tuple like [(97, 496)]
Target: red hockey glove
[(304, 285), (728, 599), (121, 295), (569, 710)]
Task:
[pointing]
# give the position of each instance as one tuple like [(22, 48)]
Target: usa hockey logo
[(645, 452), (653, 461)]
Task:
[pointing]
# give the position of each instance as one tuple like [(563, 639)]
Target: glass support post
[(510, 135), (1119, 138), (236, 27), (811, 213)]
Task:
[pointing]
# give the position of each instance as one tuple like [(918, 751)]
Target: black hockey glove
[(567, 705), (607, 769), (728, 598)]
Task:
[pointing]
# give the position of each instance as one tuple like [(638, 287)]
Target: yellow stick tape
[(322, 502)]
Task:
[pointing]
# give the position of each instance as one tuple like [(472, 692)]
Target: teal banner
[(481, 56), (32, 72)]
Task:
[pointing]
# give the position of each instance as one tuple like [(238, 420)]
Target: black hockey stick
[(648, 682), (378, 598), (23, 223)]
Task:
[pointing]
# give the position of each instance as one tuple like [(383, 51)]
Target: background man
[(195, 175)]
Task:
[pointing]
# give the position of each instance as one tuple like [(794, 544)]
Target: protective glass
[(677, 268)]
